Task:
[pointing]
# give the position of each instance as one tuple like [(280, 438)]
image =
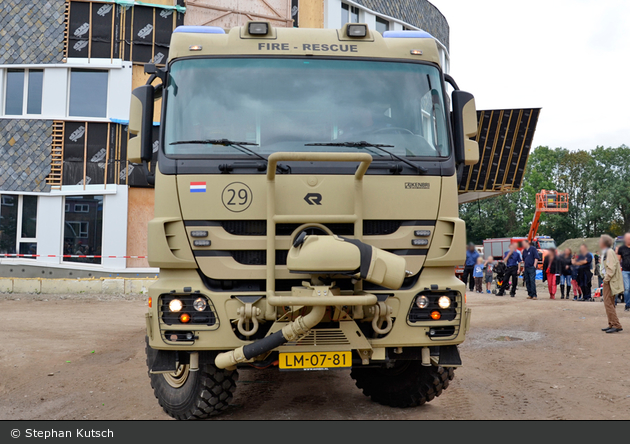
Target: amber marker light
[(435, 315), (150, 302), (185, 318)]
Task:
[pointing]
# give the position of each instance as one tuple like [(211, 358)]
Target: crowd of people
[(572, 272)]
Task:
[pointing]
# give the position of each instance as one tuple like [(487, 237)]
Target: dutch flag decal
[(197, 187)]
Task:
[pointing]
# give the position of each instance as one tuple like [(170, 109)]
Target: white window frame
[(351, 8), (18, 229), (25, 72), (82, 208), (69, 85), (383, 19)]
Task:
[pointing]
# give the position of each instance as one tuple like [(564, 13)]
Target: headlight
[(175, 305), (200, 304), (422, 301), (444, 302)]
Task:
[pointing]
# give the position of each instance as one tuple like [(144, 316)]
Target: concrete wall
[(74, 286)]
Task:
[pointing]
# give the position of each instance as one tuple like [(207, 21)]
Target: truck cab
[(306, 211)]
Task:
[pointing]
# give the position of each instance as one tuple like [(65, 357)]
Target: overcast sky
[(569, 57)]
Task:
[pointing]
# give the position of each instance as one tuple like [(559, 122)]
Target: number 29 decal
[(237, 197)]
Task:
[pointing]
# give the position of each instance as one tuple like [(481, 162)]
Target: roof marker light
[(407, 35), (199, 29), (194, 48), (359, 30), (415, 52), (258, 28)]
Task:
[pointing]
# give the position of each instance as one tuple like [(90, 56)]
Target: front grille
[(205, 317), (417, 314), (259, 228), (323, 337), (258, 257)]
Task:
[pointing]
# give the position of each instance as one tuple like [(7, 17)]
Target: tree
[(596, 181)]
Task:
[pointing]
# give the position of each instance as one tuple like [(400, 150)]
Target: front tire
[(407, 384), (189, 395)]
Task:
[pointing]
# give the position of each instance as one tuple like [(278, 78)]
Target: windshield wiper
[(241, 146), (363, 144)]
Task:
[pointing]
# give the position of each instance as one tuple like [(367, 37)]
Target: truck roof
[(195, 41)]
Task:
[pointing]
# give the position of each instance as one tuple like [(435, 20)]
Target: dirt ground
[(523, 359)]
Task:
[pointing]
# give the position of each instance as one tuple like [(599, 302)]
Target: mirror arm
[(148, 174), (450, 80)]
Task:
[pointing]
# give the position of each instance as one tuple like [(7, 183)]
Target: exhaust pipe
[(290, 332)]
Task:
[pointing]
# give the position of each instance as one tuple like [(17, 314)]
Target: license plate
[(315, 361)]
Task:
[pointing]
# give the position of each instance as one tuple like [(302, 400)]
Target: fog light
[(419, 242), (422, 302), (422, 233), (184, 318), (199, 233), (444, 302), (189, 336), (357, 30), (175, 305), (431, 332), (200, 304), (435, 315), (201, 243), (258, 28)]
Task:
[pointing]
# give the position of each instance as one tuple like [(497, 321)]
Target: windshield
[(547, 244), (283, 104)]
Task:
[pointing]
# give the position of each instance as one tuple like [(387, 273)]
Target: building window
[(34, 95), (349, 14), (23, 92), (18, 211), (382, 25), (88, 93), (83, 231), (81, 208)]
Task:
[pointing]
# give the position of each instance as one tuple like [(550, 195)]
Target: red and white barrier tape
[(73, 256)]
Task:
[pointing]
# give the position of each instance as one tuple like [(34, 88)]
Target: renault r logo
[(313, 199)]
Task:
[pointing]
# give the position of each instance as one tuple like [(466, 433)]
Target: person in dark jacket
[(471, 261), (564, 267), (584, 262), (551, 272)]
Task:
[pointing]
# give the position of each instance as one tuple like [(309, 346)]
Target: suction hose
[(290, 332)]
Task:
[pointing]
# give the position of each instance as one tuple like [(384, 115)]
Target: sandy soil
[(523, 360)]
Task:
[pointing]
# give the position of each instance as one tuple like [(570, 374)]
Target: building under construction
[(71, 203)]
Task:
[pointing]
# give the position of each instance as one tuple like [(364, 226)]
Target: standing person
[(623, 253), (585, 274), (471, 261), (488, 271), (530, 262), (613, 283), (512, 259), (577, 292), (478, 275), (551, 271), (598, 270), (564, 267)]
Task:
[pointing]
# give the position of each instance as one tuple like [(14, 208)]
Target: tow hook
[(382, 314), (246, 314)]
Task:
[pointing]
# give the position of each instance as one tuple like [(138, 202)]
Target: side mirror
[(140, 147), (464, 128)]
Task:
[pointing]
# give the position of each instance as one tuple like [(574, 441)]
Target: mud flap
[(166, 361), (449, 356)]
